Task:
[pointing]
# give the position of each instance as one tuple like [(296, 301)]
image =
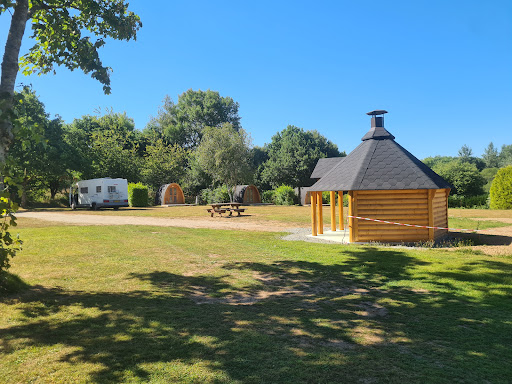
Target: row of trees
[(197, 142), (471, 176)]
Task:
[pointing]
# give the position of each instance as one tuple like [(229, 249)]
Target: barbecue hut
[(246, 194), (384, 182), (170, 194)]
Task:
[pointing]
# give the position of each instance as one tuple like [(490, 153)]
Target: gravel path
[(208, 222)]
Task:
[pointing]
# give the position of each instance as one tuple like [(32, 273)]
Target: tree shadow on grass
[(356, 320)]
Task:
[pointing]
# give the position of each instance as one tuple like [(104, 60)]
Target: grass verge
[(147, 304)]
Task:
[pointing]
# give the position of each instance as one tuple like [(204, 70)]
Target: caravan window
[(98, 189), (84, 190), (111, 188)]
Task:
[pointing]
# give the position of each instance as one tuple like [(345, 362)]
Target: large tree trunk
[(9, 73)]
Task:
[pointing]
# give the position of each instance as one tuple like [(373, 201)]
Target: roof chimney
[(377, 121)]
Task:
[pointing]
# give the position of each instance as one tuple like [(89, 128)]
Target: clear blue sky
[(443, 69)]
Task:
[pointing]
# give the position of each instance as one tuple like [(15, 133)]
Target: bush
[(138, 195), (217, 195), (285, 195), (459, 201), (267, 197), (501, 189)]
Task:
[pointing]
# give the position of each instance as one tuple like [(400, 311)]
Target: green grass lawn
[(168, 305)]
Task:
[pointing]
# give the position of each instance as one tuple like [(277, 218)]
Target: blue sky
[(443, 69)]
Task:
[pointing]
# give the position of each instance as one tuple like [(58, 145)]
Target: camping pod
[(247, 194), (170, 194), (384, 182)]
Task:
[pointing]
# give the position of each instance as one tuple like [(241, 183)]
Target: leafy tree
[(224, 155), (37, 160), (491, 156), (183, 123), (464, 176), (67, 33), (437, 160), (292, 156), (501, 189), (90, 137), (465, 152), (505, 157), (163, 164), (195, 179), (112, 157), (488, 174)]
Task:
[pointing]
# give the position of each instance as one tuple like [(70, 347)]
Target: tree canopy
[(293, 154), (67, 33), (183, 123)]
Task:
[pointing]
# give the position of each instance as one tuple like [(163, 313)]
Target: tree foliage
[(501, 189), (292, 156), (464, 176), (491, 156), (183, 123), (67, 33), (163, 164), (224, 155)]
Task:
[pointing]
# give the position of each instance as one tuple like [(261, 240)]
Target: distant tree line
[(471, 176), (197, 142)]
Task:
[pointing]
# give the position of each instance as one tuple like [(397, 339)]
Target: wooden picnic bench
[(221, 208)]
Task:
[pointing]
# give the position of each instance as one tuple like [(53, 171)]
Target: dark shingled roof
[(325, 165), (379, 163)]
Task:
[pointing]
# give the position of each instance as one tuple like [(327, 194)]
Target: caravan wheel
[(94, 207)]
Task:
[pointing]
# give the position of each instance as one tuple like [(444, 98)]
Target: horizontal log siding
[(440, 211), (403, 206)]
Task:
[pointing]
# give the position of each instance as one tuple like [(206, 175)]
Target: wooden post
[(351, 228), (333, 211), (340, 209), (313, 213), (431, 194), (320, 214)]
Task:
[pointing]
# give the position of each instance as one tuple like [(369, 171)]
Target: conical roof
[(379, 163)]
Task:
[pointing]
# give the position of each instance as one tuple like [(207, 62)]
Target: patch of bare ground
[(492, 242)]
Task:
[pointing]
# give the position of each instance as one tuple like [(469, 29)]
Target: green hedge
[(501, 189), (459, 201), (267, 197), (138, 195)]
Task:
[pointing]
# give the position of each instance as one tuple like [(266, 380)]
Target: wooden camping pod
[(171, 194), (247, 194)]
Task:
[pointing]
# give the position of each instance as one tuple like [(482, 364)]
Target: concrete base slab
[(340, 236)]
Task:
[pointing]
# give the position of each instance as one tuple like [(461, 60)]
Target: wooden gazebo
[(384, 182)]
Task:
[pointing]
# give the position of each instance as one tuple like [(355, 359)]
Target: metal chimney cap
[(377, 112)]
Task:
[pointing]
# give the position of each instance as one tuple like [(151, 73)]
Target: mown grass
[(169, 305)]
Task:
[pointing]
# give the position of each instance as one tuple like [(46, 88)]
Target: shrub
[(267, 197), (501, 189), (138, 195), (459, 201), (285, 195), (217, 195), (9, 244)]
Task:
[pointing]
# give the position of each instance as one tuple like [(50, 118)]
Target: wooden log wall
[(403, 206), (440, 211)]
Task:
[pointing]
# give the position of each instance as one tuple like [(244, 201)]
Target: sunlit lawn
[(169, 305)]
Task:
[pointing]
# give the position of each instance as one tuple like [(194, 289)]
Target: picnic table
[(221, 208)]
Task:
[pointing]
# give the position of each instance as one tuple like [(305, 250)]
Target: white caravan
[(99, 193)]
